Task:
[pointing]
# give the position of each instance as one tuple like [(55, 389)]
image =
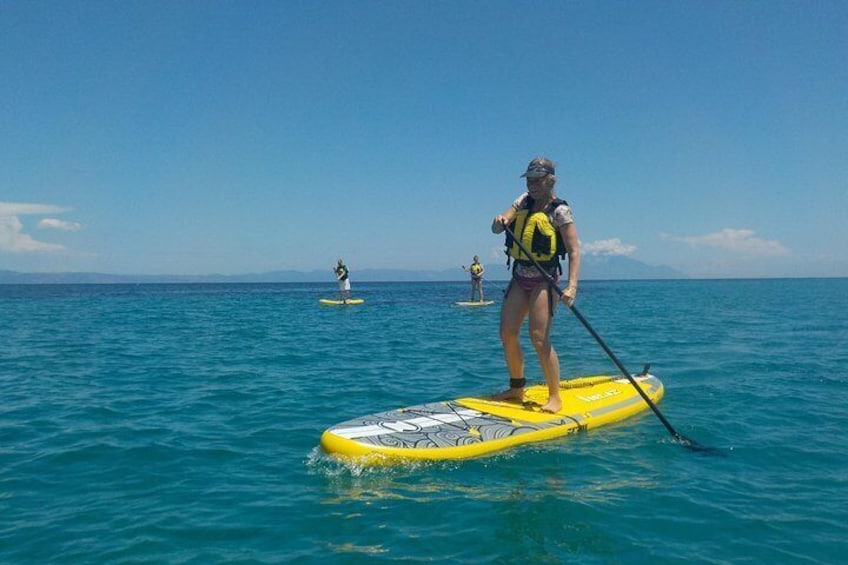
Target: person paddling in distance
[(545, 225), (343, 277), (476, 270)]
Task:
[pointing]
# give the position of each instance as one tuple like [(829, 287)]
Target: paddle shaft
[(601, 342)]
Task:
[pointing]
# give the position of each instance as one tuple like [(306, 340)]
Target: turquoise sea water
[(180, 424)]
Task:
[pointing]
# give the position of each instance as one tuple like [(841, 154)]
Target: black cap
[(539, 168)]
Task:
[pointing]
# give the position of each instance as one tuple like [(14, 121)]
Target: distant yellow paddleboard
[(478, 303), (474, 426), (348, 302)]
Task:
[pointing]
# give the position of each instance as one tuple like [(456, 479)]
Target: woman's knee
[(508, 334), (541, 340)]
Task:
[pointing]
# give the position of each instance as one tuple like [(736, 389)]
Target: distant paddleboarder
[(343, 277), (476, 270)]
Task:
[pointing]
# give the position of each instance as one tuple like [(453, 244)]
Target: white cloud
[(54, 224), (13, 239), (737, 240), (496, 254), (612, 246), (12, 236)]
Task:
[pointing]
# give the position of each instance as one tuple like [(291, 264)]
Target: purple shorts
[(529, 284)]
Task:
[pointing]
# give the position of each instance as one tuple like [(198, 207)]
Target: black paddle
[(674, 433)]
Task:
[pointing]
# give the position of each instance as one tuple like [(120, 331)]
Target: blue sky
[(155, 137)]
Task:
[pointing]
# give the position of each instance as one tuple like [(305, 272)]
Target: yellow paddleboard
[(477, 303), (473, 426), (348, 302)]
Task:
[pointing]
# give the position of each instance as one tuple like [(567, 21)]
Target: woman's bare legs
[(541, 321), (515, 307), (517, 304)]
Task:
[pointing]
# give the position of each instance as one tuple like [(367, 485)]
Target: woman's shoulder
[(560, 203), (521, 201), (562, 213)]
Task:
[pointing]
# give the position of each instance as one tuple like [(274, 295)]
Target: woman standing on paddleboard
[(476, 270), (343, 277), (545, 226)]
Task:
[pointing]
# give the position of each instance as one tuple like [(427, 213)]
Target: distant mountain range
[(593, 267), (618, 267)]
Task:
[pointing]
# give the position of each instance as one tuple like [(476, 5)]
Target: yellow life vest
[(475, 270), (538, 235)]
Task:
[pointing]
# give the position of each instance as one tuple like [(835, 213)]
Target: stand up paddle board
[(473, 426), (348, 302), (478, 303)]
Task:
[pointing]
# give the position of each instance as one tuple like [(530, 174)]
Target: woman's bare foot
[(553, 405), (516, 394)]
